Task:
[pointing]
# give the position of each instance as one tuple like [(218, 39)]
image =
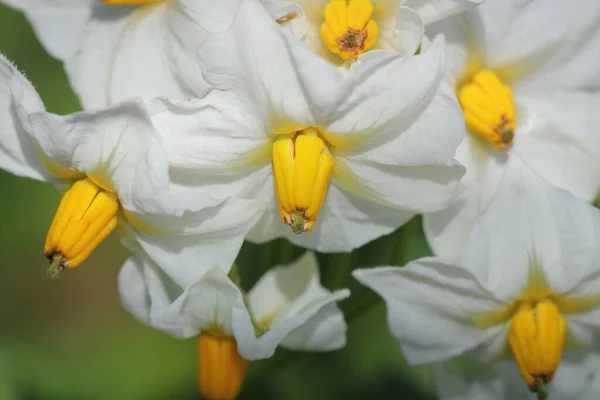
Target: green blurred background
[(70, 338)]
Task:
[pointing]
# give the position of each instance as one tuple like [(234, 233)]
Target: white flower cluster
[(332, 123)]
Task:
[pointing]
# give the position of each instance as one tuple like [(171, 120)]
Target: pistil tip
[(56, 265), (297, 224)]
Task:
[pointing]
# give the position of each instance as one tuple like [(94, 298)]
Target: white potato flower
[(526, 76), (342, 30), (113, 169), (578, 378), (528, 282), (342, 159), (288, 307), (117, 49)]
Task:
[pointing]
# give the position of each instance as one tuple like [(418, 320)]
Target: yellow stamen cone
[(86, 215), (489, 109), (536, 339), (348, 30), (221, 370), (302, 168)]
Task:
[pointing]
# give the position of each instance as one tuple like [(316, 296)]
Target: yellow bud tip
[(302, 168), (348, 30), (221, 370), (489, 109), (536, 338), (86, 215)]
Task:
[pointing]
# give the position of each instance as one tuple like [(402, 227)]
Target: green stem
[(341, 265), (286, 252), (264, 257), (541, 391), (56, 265)]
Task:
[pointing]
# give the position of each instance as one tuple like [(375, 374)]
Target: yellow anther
[(489, 109), (129, 2), (536, 339), (221, 370), (302, 168), (87, 214), (348, 29)]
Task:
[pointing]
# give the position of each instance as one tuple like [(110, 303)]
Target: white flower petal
[(557, 135), (286, 291), (276, 290), (464, 35), (59, 24), (324, 331), (403, 35), (592, 367), (269, 226), (382, 98), (288, 15), (584, 328), (186, 245), (415, 189), (251, 347), (144, 289), (412, 171), (270, 70), (130, 52), (562, 45), (89, 69), (434, 10), (448, 230), (18, 99), (527, 224), (205, 304), (142, 61), (146, 51), (575, 376), (515, 35), (155, 299), (432, 139), (118, 148), (132, 289), (426, 298), (215, 134)]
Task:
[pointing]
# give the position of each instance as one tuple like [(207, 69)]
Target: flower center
[(302, 167), (221, 370), (87, 214), (348, 30), (489, 109), (129, 2), (536, 338)]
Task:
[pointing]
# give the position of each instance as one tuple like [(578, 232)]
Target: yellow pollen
[(536, 338), (86, 215), (302, 168), (348, 30), (489, 109), (129, 2), (221, 370)]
